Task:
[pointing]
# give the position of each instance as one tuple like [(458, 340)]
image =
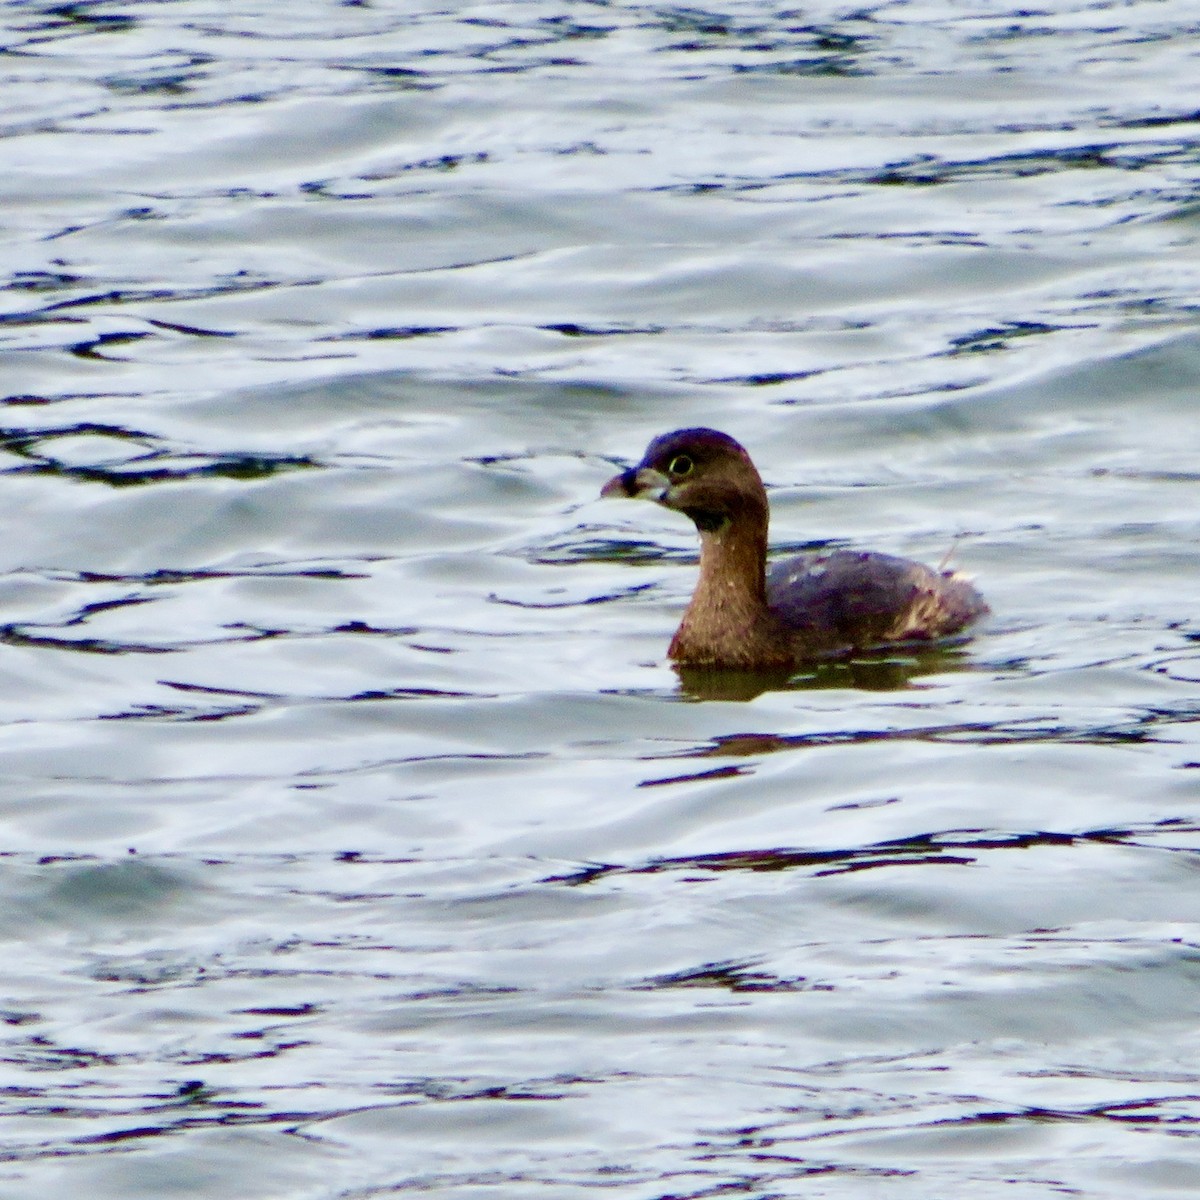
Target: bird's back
[(849, 600)]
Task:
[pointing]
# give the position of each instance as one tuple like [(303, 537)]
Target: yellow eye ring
[(681, 464)]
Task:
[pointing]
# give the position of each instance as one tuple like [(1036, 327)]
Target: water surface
[(358, 839)]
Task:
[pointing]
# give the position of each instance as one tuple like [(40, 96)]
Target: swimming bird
[(805, 608)]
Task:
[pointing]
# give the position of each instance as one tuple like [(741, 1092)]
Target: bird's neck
[(733, 565), (728, 621)]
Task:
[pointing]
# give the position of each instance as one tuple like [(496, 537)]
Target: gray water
[(357, 838)]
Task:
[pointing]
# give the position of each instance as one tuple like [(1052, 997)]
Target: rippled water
[(357, 839)]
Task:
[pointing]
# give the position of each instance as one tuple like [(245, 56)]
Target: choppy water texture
[(356, 839)]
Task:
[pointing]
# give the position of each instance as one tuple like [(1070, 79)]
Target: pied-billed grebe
[(805, 608)]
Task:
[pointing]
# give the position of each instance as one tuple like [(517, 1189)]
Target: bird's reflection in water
[(889, 671)]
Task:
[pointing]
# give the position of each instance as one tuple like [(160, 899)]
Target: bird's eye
[(681, 464)]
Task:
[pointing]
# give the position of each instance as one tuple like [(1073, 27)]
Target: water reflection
[(1154, 725), (961, 848), (123, 457), (888, 671)]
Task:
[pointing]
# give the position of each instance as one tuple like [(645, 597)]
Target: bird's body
[(804, 608)]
